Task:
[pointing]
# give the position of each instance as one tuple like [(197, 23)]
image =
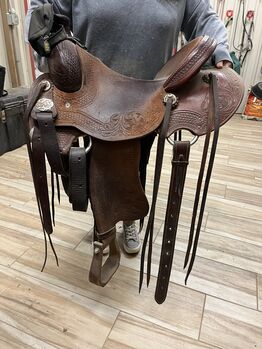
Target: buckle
[(192, 141)]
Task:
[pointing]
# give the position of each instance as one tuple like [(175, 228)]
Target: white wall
[(22, 57), (251, 70), (3, 57), (22, 52)]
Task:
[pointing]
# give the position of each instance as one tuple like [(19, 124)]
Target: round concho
[(44, 104)]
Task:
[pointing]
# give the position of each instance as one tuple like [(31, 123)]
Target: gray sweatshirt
[(136, 37)]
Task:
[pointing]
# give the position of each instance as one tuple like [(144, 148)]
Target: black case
[(12, 108)]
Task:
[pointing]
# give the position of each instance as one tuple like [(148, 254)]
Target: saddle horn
[(65, 67)]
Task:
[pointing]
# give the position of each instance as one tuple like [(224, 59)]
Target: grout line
[(112, 327), (257, 292), (11, 264), (213, 260), (166, 329), (216, 261), (204, 226), (202, 316), (235, 238), (54, 346), (212, 345), (233, 303), (83, 238)]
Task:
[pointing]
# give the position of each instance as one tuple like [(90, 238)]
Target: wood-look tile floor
[(221, 306)]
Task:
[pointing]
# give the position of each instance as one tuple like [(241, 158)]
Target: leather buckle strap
[(38, 167), (181, 152), (100, 273), (78, 179), (50, 143)]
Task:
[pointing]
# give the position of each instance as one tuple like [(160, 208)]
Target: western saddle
[(80, 97)]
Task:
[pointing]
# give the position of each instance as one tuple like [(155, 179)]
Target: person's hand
[(222, 64)]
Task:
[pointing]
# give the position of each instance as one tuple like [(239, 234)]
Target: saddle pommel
[(65, 67)]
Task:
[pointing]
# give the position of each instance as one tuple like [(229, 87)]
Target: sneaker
[(131, 239)]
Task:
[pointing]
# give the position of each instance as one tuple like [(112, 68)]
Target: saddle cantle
[(81, 97)]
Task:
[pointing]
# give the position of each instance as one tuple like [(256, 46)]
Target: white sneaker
[(131, 239)]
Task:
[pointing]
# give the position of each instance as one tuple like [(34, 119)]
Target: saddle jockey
[(136, 38)]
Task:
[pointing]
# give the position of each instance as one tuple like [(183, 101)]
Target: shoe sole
[(132, 250)]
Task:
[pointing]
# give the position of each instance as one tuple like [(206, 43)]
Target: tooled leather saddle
[(81, 98)]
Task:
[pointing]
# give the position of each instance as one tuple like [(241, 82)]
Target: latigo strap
[(181, 152), (170, 103)]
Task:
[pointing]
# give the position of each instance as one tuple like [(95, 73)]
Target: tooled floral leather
[(113, 107), (191, 112)]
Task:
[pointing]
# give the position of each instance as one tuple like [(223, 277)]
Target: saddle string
[(45, 258), (49, 143), (31, 138), (58, 188), (158, 167), (54, 178), (162, 135), (53, 249), (41, 187), (209, 170), (146, 145), (210, 122), (38, 156), (37, 92), (53, 196)]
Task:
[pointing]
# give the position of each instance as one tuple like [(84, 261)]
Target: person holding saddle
[(136, 38)]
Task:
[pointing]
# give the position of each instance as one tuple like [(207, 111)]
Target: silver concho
[(44, 104), (171, 96), (47, 85)]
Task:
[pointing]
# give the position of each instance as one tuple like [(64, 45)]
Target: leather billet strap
[(158, 167), (181, 152), (38, 167), (78, 178), (100, 273), (49, 139), (48, 144), (40, 180)]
